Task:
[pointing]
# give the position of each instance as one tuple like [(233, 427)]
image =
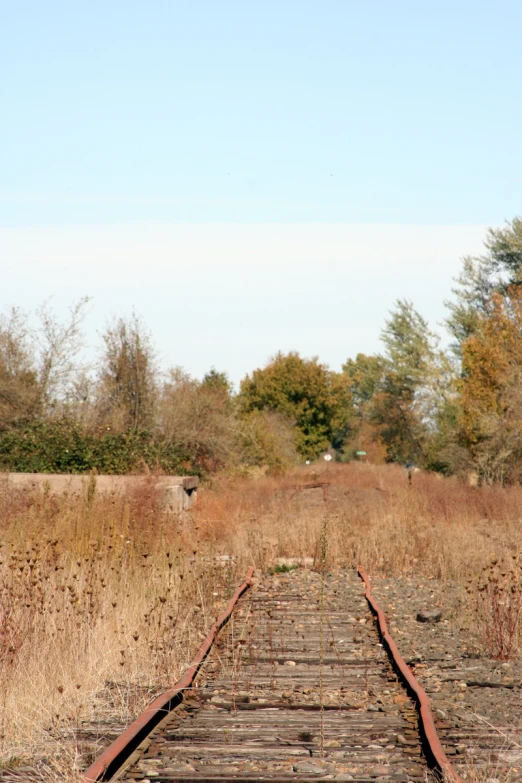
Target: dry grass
[(438, 527), (103, 598)]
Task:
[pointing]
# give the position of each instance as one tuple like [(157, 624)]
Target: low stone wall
[(179, 492)]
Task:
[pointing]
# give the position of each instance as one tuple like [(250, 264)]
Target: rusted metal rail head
[(311, 485), (112, 759), (434, 747)]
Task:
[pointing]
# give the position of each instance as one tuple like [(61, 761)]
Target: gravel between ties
[(476, 701)]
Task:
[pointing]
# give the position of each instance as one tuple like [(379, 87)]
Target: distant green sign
[(361, 453)]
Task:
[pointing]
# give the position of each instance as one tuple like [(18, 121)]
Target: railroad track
[(299, 687)]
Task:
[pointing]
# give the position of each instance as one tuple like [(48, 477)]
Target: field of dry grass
[(437, 527), (102, 598)]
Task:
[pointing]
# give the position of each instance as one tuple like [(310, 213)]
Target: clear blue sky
[(129, 127), (260, 110)]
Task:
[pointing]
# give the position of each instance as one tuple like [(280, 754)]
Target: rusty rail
[(434, 746), (111, 760), (311, 485)]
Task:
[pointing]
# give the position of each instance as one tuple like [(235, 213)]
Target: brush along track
[(296, 693)]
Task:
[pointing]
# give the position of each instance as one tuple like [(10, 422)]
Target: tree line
[(455, 410)]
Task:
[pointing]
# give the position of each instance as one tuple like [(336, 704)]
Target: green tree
[(406, 402), (474, 432), (306, 392), (217, 381), (364, 374), (498, 270)]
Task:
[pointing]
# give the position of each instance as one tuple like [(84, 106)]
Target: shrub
[(499, 606), (63, 446)]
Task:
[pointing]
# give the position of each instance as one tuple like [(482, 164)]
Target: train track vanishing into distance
[(302, 685)]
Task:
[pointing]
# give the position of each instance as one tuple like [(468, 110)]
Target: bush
[(499, 608), (63, 446)]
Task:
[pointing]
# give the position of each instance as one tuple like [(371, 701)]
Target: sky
[(253, 176)]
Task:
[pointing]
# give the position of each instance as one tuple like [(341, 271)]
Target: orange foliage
[(491, 358), (491, 390)]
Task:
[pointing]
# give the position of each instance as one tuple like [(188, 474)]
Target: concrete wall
[(179, 492)]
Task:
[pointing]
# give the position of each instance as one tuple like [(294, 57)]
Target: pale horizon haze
[(231, 296)]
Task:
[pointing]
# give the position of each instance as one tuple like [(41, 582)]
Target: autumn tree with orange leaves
[(491, 389)]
